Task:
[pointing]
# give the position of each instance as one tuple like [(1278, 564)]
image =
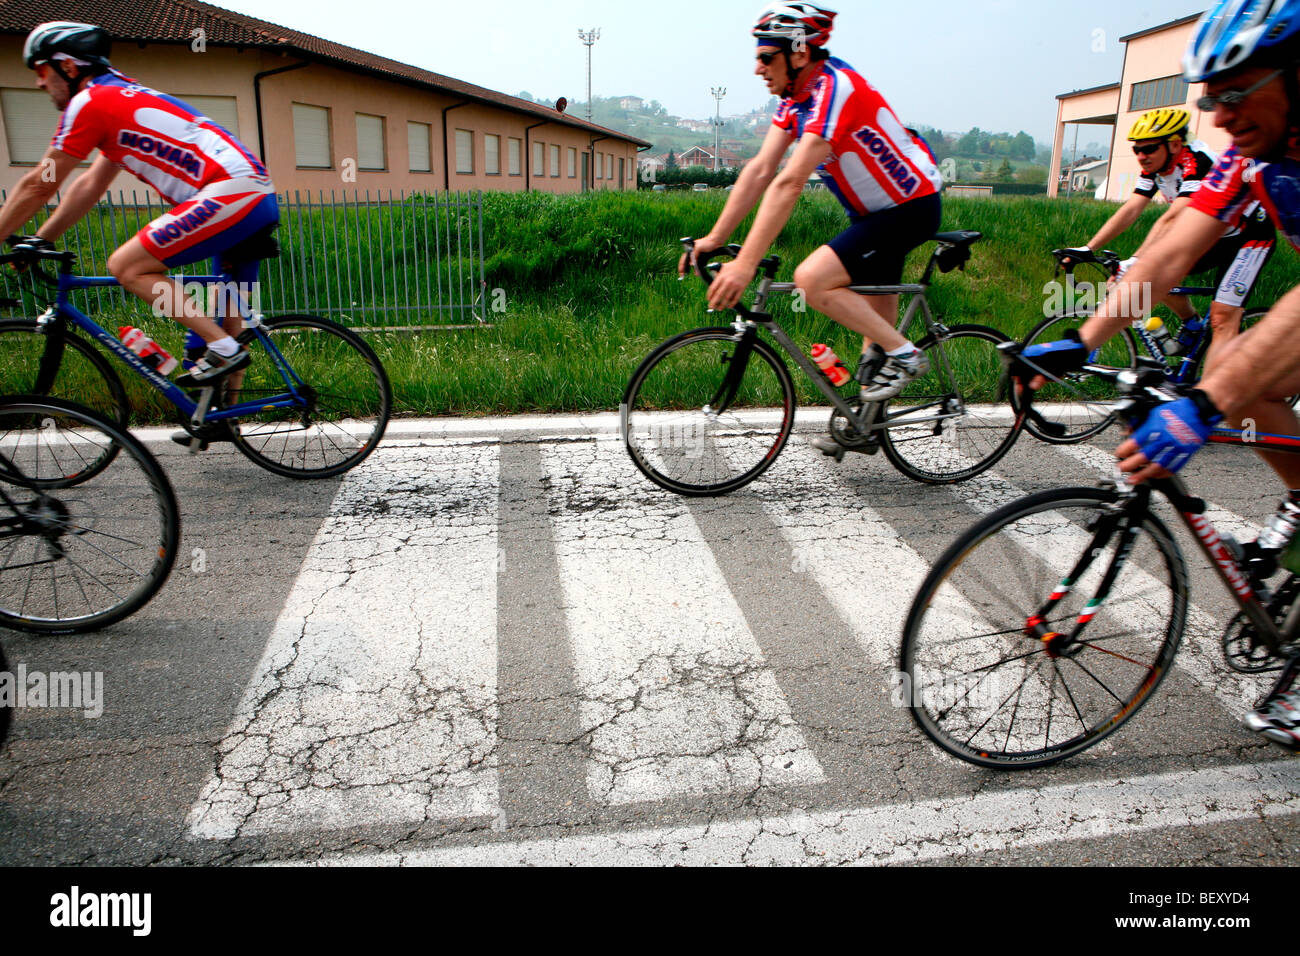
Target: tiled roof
[(173, 21)]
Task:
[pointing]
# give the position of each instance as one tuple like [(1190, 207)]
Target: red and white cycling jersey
[(1190, 167), (163, 141), (875, 163), (1237, 183)]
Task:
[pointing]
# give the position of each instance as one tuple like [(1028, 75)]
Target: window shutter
[(492, 155), (417, 147), (311, 136), (464, 151), (30, 120), (370, 142)]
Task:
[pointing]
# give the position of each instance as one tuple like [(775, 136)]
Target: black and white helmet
[(80, 41), (795, 21)]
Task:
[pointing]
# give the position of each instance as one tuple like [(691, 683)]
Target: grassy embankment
[(590, 288)]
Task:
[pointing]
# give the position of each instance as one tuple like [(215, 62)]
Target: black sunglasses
[(767, 58), (1147, 150)]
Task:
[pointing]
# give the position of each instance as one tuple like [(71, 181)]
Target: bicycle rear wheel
[(1081, 405), (344, 398), (967, 378), (985, 686), (679, 426), (82, 375), (1248, 320), (77, 558)]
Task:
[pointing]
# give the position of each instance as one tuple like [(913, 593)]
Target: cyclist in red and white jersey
[(220, 192), (1176, 169), (1248, 54), (886, 179)]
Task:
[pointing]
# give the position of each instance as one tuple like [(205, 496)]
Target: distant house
[(631, 103), (703, 156)]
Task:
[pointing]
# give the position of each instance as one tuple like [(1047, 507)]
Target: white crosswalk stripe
[(671, 683), (376, 698)]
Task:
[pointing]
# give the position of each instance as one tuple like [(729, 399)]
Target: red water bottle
[(150, 352), (830, 363)]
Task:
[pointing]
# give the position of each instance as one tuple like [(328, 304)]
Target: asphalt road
[(495, 642)]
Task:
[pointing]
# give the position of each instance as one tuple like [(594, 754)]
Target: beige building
[(1151, 77), (323, 116)]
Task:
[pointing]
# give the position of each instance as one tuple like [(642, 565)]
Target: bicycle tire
[(1082, 405), (346, 403), (84, 376), (954, 449), (685, 447), (107, 542), (6, 710), (984, 688)]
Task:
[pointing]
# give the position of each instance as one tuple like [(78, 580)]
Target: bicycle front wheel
[(956, 420), (986, 686), (1081, 405), (342, 401), (684, 427), (1248, 320), (77, 558)]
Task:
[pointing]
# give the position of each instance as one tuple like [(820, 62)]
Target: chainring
[(1242, 649), (846, 433)]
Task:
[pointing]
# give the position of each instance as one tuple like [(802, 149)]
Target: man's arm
[(778, 202), (81, 196), (1260, 362), (1191, 234), (35, 189), (1120, 221)]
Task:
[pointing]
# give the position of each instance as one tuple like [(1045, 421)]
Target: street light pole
[(589, 37), (718, 93)]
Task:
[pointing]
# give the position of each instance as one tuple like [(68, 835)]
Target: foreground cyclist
[(1248, 54), (220, 192), (1176, 169), (887, 181)]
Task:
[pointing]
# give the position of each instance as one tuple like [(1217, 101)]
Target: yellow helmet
[(1161, 124)]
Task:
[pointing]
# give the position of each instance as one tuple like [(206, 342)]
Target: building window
[(539, 159), (609, 165), (1168, 91), (598, 162), (515, 153), (311, 137), (492, 155), (418, 138), (30, 120), (464, 151), (622, 170), (555, 160), (222, 110), (370, 142), (573, 163)]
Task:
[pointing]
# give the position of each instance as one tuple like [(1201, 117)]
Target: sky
[(995, 64)]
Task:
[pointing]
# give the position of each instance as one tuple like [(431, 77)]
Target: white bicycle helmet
[(1237, 33), (794, 21)]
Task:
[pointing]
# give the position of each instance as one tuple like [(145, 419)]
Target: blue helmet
[(1237, 33)]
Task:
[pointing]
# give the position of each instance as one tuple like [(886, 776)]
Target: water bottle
[(1164, 341), (1190, 334), (830, 363), (150, 352)]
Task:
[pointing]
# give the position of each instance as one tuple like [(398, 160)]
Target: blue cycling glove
[(1055, 359), (1174, 431)]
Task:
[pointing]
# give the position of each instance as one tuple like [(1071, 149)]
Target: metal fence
[(385, 261)]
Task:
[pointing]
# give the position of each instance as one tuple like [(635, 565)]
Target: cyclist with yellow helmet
[(1176, 168)]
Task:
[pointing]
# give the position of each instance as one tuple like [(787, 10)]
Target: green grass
[(590, 287)]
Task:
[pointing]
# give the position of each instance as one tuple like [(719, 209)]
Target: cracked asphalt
[(495, 642)]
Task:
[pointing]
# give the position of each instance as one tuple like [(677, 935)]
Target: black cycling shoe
[(209, 434), (212, 366)]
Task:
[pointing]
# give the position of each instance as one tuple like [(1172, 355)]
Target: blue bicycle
[(1083, 404), (313, 403)]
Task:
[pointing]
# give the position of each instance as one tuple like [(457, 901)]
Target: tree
[(1022, 147), (525, 95), (671, 161), (969, 144), (1005, 173), (1032, 175)]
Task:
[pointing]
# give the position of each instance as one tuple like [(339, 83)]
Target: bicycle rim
[(959, 446), (344, 403), (83, 376), (674, 433), (984, 689), (1083, 405), (77, 558)]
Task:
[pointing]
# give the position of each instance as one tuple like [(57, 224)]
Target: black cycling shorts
[(874, 246)]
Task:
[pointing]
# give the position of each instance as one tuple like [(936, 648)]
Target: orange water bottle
[(830, 363), (150, 352)]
